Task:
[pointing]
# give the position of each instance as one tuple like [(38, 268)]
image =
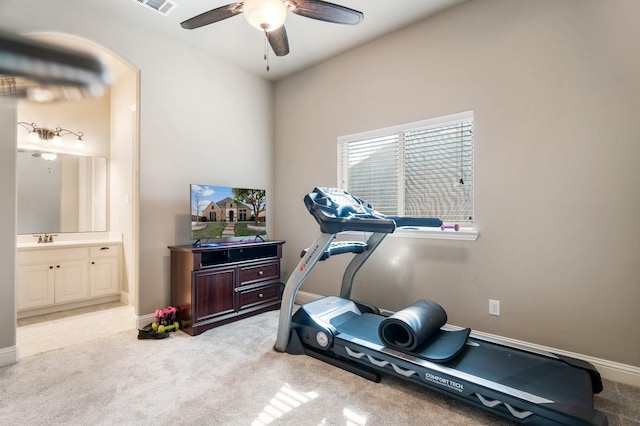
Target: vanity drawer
[(262, 271), (51, 254), (107, 250)]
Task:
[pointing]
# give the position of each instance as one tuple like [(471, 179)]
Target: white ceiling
[(235, 41)]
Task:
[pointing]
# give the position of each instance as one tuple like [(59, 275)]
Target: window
[(422, 169)]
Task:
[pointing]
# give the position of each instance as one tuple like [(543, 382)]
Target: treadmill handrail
[(426, 222)]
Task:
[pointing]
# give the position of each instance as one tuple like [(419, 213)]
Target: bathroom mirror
[(63, 194)]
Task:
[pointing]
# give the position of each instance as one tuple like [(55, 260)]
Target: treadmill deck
[(523, 375)]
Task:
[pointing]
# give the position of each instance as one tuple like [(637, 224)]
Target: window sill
[(464, 234)]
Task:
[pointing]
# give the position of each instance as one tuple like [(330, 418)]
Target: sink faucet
[(44, 238)]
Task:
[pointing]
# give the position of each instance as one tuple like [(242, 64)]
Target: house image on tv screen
[(227, 210), (223, 212)]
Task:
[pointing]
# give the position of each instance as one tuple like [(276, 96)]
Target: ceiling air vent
[(160, 6)]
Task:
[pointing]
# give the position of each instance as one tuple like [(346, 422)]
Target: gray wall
[(554, 86), (8, 130)]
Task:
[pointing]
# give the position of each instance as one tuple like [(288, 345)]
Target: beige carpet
[(229, 375)]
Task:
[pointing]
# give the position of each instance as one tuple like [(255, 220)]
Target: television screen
[(221, 213)]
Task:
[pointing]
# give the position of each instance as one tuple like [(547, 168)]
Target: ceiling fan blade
[(214, 15), (279, 41), (325, 11)]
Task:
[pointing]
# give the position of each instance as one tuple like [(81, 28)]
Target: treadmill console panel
[(337, 211)]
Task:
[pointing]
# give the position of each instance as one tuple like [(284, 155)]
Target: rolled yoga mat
[(410, 327)]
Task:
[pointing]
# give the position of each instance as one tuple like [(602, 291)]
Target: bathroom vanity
[(70, 272)]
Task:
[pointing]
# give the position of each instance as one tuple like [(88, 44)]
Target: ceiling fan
[(269, 16)]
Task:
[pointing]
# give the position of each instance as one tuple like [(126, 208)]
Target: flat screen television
[(227, 214)]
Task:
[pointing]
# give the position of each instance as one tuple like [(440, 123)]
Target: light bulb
[(79, 143), (265, 15), (33, 137), (57, 140)]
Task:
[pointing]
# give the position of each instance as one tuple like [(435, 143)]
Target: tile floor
[(51, 331)]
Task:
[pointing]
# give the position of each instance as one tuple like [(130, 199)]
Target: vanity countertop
[(58, 244), (30, 242)]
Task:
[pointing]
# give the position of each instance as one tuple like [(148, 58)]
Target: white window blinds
[(422, 169)]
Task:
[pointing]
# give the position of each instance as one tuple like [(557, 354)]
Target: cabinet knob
[(261, 273), (93, 263), (50, 267), (260, 295), (57, 266)]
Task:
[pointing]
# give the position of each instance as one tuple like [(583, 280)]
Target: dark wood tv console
[(217, 284)]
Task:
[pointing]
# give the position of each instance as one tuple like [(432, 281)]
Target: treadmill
[(518, 383)]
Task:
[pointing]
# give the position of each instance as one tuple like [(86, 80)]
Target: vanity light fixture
[(41, 135)]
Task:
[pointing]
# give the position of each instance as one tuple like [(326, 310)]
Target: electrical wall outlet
[(494, 307)]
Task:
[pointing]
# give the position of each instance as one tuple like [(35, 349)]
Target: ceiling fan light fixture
[(49, 156), (265, 15)]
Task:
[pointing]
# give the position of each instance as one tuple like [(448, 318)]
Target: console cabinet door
[(214, 293), (71, 279), (36, 285)]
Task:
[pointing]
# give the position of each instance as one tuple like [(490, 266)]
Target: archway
[(121, 145)]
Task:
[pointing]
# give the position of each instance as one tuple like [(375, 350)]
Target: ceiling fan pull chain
[(266, 48)]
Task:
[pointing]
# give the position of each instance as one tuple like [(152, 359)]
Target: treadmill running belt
[(441, 347)]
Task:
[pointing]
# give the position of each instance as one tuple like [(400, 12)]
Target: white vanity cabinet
[(53, 278)]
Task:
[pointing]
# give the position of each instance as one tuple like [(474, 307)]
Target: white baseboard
[(143, 320), (610, 370), (303, 297), (9, 355)]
